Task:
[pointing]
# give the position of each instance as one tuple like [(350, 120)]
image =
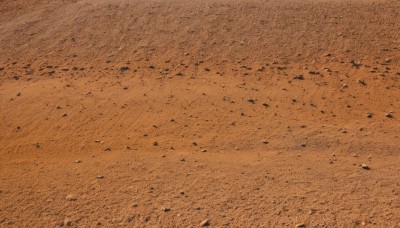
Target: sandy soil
[(248, 113)]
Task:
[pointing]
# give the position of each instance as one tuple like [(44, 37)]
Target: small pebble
[(122, 69), (205, 222), (71, 198), (67, 222), (365, 166), (362, 82), (312, 211), (298, 77)]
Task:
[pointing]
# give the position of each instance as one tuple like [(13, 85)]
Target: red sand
[(243, 113)]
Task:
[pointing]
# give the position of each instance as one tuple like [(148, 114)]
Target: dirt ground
[(240, 113)]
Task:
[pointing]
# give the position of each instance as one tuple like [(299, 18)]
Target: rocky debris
[(67, 222), (155, 143), (123, 69), (251, 100), (205, 223), (165, 209), (298, 77), (18, 94), (71, 198), (204, 150), (246, 67), (261, 69), (327, 69), (100, 177), (389, 115), (370, 115), (314, 72), (362, 82), (77, 161), (398, 73), (1, 68), (301, 225), (266, 105), (107, 149), (365, 166), (64, 115), (355, 64), (265, 141), (129, 219)]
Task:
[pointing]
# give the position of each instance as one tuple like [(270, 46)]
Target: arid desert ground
[(218, 113)]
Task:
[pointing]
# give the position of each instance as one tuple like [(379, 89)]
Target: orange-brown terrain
[(220, 113)]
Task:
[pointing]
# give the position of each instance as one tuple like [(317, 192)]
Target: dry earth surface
[(249, 113)]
